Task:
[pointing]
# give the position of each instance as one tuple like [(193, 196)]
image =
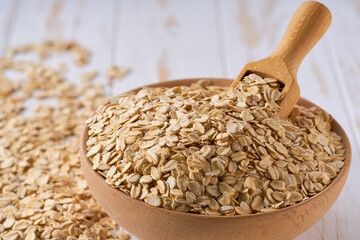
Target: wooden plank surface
[(163, 40), (252, 31), (95, 35), (38, 19), (344, 54), (7, 12), (169, 39)]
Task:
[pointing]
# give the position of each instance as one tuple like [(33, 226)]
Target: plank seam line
[(9, 24), (341, 89), (220, 32), (115, 30), (115, 35), (73, 26)]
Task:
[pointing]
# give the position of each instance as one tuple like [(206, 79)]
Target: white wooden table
[(169, 39)]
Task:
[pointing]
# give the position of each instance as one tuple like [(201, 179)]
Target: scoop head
[(275, 67), (307, 26)]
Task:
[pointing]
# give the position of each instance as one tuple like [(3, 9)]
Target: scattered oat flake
[(115, 72), (123, 236), (43, 191), (87, 77)]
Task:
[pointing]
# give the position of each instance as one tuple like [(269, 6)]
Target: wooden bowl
[(148, 222)]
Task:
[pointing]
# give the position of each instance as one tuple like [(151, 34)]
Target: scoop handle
[(307, 26)]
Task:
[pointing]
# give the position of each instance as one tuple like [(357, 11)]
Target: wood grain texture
[(309, 23), (344, 55), (163, 40), (245, 25), (212, 39), (264, 25), (93, 27), (148, 222), (344, 51), (7, 13), (307, 26), (38, 20)]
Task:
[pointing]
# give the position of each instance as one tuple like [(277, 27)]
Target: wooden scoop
[(308, 25)]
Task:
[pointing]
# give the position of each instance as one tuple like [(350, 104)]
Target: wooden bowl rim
[(302, 102)]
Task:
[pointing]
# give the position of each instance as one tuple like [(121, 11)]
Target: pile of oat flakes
[(202, 149), (43, 194)]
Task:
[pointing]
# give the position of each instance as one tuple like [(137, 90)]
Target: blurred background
[(167, 39)]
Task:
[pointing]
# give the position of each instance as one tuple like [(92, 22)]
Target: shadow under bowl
[(148, 222)]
